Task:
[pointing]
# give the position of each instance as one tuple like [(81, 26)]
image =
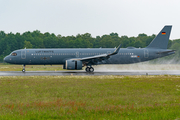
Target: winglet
[(116, 51)]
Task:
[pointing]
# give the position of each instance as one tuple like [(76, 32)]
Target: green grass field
[(8, 67), (90, 97)]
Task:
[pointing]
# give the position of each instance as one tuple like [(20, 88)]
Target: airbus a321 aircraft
[(76, 59)]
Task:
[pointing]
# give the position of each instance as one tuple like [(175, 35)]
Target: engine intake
[(73, 65)]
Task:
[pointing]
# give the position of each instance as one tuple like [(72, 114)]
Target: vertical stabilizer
[(161, 40)]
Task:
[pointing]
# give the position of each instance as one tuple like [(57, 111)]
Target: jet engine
[(73, 65)]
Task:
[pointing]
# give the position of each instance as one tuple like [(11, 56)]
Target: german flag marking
[(163, 33)]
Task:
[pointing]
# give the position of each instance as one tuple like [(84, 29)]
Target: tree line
[(10, 41)]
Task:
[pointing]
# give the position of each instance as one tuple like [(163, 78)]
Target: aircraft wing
[(97, 58), (92, 57)]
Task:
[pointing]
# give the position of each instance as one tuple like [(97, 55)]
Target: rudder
[(161, 40)]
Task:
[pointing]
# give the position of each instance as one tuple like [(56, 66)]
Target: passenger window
[(14, 54)]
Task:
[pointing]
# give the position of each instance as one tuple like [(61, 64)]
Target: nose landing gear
[(23, 70), (89, 69)]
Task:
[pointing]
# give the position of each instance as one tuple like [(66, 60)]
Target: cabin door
[(23, 54), (146, 53)]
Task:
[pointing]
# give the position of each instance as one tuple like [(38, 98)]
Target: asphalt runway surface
[(83, 73)]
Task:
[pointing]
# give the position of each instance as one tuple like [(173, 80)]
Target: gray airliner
[(76, 59)]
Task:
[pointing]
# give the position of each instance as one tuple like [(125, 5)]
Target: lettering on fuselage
[(134, 56), (44, 51)]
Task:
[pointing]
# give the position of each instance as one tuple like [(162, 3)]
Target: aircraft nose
[(6, 59)]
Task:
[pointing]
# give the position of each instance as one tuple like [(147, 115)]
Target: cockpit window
[(14, 54)]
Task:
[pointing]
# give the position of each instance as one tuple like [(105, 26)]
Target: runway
[(96, 73)]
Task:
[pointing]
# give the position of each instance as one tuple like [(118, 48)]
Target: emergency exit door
[(23, 54), (146, 53)]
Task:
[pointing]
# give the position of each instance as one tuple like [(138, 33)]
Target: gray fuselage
[(59, 56)]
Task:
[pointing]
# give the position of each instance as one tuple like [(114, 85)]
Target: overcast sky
[(97, 17)]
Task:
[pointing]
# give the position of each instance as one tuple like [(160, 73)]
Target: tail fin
[(161, 40)]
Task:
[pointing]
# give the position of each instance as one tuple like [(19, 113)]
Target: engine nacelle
[(73, 65)]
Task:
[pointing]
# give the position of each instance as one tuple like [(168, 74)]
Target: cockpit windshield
[(14, 54)]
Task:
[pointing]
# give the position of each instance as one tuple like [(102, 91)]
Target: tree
[(7, 51), (27, 44)]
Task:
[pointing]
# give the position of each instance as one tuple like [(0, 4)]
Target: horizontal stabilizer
[(166, 51)]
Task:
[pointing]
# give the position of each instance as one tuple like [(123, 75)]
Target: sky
[(97, 17)]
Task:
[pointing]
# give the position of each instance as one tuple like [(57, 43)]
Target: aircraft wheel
[(87, 69), (91, 69), (23, 70)]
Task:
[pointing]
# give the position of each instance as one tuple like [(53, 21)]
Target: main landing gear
[(23, 70), (89, 69)]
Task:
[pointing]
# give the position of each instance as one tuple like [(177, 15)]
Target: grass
[(9, 67), (90, 97)]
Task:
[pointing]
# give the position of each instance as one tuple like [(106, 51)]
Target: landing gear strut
[(89, 69), (23, 70)]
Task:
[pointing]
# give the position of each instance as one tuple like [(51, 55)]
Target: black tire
[(87, 69), (91, 69), (23, 70)]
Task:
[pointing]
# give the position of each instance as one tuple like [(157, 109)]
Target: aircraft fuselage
[(59, 56)]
